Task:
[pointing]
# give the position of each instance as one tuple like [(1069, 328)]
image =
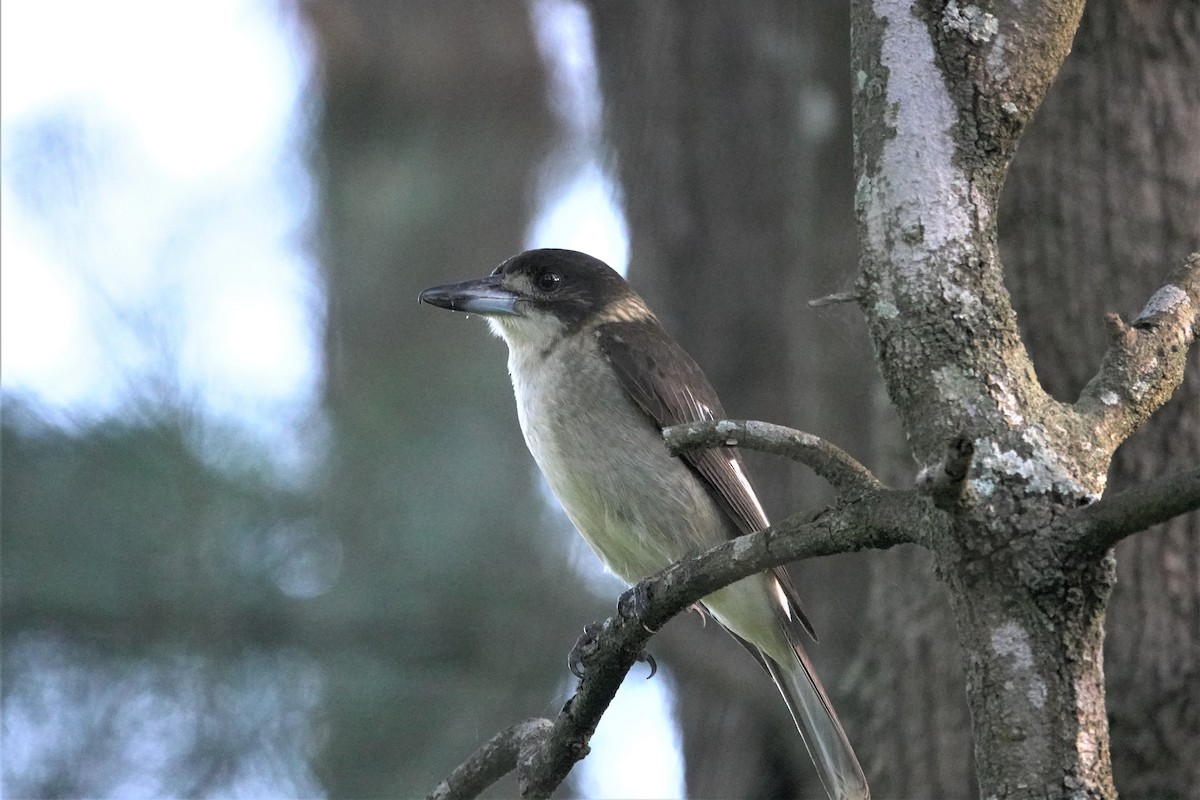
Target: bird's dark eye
[(549, 281)]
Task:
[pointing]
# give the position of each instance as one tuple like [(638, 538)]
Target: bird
[(596, 380)]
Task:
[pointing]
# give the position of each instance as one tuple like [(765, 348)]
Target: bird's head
[(540, 295)]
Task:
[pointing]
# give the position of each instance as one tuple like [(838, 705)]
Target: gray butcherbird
[(596, 380)]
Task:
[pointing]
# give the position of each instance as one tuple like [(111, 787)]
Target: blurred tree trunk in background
[(1103, 199), (730, 126), (918, 735), (432, 123)]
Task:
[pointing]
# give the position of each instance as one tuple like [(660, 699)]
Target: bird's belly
[(637, 506), (613, 518), (639, 517)]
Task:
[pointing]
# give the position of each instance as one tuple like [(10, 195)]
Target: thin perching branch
[(1104, 523), (839, 468), (880, 519), (498, 756), (1145, 360)]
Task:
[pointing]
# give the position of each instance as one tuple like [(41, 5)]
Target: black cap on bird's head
[(571, 287)]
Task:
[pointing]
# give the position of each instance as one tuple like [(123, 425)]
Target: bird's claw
[(585, 648), (586, 645), (649, 659), (633, 603)]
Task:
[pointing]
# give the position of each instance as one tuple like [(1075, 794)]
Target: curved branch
[(1101, 525), (881, 518), (829, 461), (498, 756), (1145, 361)]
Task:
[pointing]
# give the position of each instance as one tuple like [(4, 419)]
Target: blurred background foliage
[(269, 528)]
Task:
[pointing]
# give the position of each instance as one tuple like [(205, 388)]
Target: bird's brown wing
[(672, 389)]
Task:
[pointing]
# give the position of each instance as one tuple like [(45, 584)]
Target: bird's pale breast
[(638, 507)]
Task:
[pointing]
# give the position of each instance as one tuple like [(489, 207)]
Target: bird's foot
[(585, 648), (632, 604)]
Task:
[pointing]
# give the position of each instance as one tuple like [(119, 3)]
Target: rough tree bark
[(943, 93), (1105, 189)]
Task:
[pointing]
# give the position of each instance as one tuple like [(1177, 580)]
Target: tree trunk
[(943, 95), (1104, 192), (1114, 128)]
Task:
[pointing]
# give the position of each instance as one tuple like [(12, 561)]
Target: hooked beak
[(480, 296)]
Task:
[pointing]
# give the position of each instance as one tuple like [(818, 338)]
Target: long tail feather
[(837, 765)]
